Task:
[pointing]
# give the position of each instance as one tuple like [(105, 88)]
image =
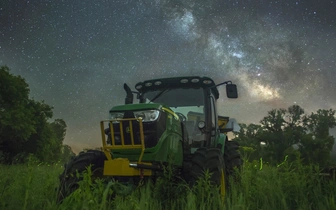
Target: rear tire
[(80, 163), (232, 159), (211, 160)]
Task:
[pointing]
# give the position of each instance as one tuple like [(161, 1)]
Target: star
[(76, 55)]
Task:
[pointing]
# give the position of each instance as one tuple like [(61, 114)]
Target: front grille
[(127, 132)]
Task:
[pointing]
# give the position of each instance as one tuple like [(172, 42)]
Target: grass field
[(33, 186)]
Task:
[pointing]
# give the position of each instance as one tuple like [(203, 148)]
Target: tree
[(66, 154), (284, 130), (42, 143), (319, 123), (249, 140), (16, 117), (24, 126), (274, 136), (59, 128), (317, 148)]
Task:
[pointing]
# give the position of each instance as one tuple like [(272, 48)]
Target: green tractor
[(175, 122)]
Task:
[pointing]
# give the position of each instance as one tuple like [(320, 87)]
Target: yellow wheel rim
[(222, 185)]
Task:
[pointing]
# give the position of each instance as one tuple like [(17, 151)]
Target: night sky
[(75, 55)]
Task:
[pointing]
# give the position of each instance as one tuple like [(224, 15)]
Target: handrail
[(107, 148)]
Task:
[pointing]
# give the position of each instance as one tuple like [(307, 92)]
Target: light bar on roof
[(184, 81)]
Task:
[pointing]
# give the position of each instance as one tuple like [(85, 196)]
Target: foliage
[(66, 154), (262, 186), (289, 132), (24, 124)]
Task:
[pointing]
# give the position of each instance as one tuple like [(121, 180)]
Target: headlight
[(147, 115), (116, 115)]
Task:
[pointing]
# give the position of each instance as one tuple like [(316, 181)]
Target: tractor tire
[(69, 179), (211, 160), (232, 159)]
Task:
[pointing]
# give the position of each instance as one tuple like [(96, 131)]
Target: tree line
[(26, 129), (289, 134)]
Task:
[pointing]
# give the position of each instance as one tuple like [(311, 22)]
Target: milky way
[(76, 55)]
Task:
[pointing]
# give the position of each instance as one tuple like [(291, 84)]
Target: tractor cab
[(173, 117), (193, 100)]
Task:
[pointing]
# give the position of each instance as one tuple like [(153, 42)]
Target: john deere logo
[(128, 130)]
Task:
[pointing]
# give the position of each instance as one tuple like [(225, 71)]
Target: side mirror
[(231, 91)]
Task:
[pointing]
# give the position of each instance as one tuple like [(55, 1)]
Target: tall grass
[(28, 186), (261, 187), (284, 187)]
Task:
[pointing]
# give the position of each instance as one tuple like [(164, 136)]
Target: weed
[(289, 186)]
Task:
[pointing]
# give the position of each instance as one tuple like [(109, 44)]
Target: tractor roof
[(177, 82)]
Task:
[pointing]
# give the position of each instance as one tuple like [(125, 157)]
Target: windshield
[(187, 103), (179, 100), (175, 97)]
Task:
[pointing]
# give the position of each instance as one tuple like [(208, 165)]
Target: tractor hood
[(151, 110), (135, 107)]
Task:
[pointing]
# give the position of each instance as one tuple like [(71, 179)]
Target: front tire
[(79, 164)]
